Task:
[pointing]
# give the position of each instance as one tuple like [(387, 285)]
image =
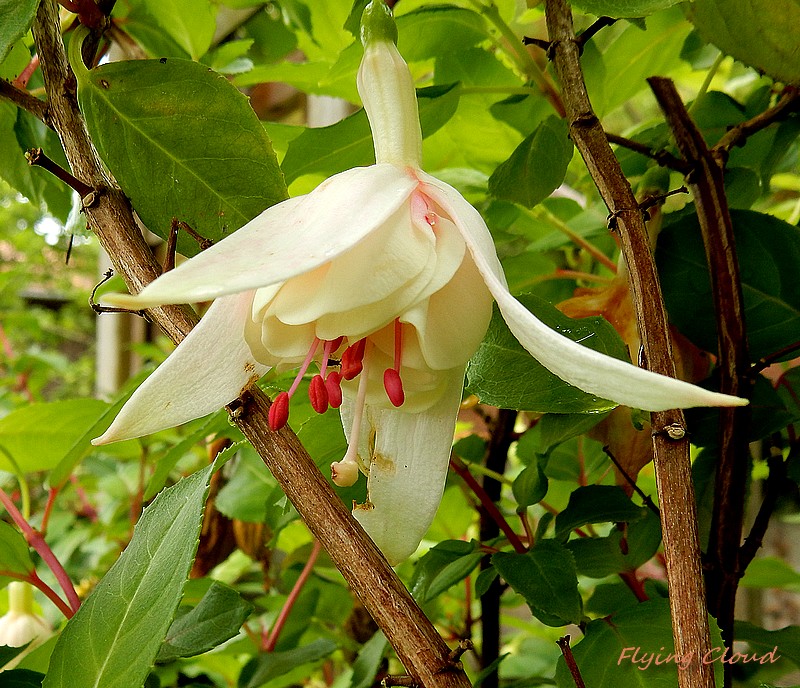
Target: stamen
[(318, 394), (330, 346), (345, 472), (353, 359), (278, 413), (333, 383), (391, 377), (303, 368)]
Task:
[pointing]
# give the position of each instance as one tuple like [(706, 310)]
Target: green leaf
[(769, 572), (15, 556), (452, 573), (597, 504), (537, 166), (764, 34), (116, 634), (151, 121), (622, 650), (244, 496), (546, 577), (38, 436), (502, 373), (768, 250), (556, 428), (274, 664), (15, 20), (368, 661), (434, 569), (22, 678), (598, 557), (348, 143), (530, 486), (217, 617), (623, 8), (191, 24), (785, 641), (431, 31)]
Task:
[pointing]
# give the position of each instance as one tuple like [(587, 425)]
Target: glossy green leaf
[(502, 373), (769, 253), (346, 144), (37, 437), (597, 504), (244, 496), (537, 166), (764, 34), (274, 664), (623, 8), (114, 638), (452, 573), (530, 486), (15, 556), (623, 650), (556, 428), (546, 577), (150, 121), (431, 31), (15, 20), (217, 617)]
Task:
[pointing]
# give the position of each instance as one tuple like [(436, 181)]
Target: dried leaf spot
[(104, 84), (384, 463)]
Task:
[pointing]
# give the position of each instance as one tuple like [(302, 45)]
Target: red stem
[(48, 508), (274, 634), (38, 543), (491, 508)]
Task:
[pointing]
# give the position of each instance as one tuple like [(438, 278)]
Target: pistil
[(345, 472)]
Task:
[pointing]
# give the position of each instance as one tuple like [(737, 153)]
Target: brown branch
[(707, 183), (418, 645), (37, 158), (38, 108), (737, 135), (663, 157), (671, 456)]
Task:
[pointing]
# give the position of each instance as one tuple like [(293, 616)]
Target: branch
[(737, 135), (707, 183), (663, 157), (572, 665), (418, 645), (672, 466), (38, 108)]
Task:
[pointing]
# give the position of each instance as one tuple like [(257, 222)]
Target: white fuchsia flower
[(384, 276), (20, 625)]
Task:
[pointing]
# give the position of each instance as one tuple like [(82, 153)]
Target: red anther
[(336, 343), (393, 386), (333, 383), (279, 412), (353, 359), (318, 394)]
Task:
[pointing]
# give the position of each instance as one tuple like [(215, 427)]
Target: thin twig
[(38, 108), (491, 508), (663, 157), (37, 157), (97, 308), (645, 497), (738, 134), (768, 360), (272, 640), (569, 658)]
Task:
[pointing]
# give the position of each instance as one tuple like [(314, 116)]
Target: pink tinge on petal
[(279, 412), (318, 394)]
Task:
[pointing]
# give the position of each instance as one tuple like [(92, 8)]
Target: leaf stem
[(38, 543), (269, 643)]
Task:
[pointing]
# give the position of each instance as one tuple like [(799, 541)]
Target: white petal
[(208, 369), (288, 239), (589, 370), (408, 468)]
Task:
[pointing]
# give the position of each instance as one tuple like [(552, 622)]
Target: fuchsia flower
[(384, 278)]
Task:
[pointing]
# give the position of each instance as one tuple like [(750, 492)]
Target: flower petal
[(288, 239), (589, 370), (408, 467), (210, 368)]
